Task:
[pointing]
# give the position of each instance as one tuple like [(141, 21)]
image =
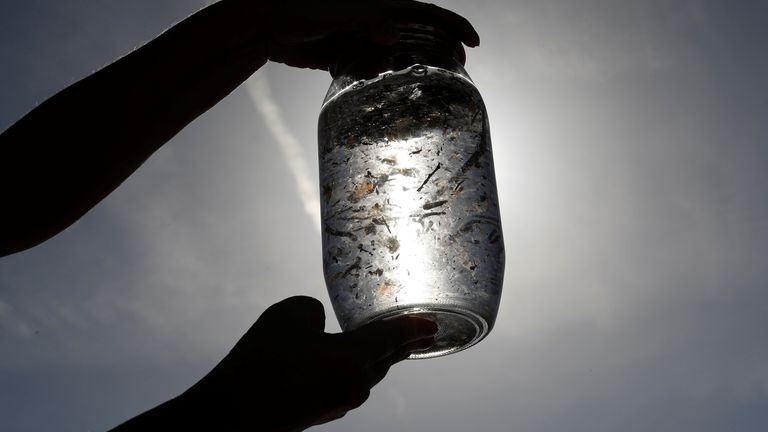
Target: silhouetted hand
[(287, 374), (301, 33), (72, 150)]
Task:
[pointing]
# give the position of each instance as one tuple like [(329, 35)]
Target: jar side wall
[(408, 197)]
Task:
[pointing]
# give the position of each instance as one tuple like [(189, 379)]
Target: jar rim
[(417, 44)]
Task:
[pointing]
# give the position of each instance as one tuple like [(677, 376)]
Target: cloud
[(260, 92)]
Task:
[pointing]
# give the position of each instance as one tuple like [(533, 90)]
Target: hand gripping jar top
[(410, 213)]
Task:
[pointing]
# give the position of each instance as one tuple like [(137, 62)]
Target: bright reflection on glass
[(400, 188)]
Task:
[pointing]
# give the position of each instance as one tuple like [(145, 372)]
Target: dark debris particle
[(494, 237), (338, 233), (381, 221), (362, 249), (430, 214), (393, 245), (428, 177), (377, 272), (355, 266), (435, 204)]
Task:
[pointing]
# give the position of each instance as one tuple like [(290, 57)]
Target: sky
[(631, 145)]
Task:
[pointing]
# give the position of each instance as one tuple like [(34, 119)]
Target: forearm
[(184, 412), (167, 416), (70, 152), (218, 408)]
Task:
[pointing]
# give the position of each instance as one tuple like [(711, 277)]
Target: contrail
[(258, 89)]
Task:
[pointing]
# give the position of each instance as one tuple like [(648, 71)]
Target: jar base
[(458, 329)]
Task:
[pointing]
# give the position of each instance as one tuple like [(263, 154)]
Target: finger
[(314, 55), (383, 31), (426, 13), (378, 371), (347, 393), (313, 21), (297, 314), (340, 398), (380, 339), (356, 397), (329, 417), (378, 19)]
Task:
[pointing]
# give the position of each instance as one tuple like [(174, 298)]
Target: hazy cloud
[(258, 88)]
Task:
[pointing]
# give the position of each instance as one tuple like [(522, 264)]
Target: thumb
[(295, 314), (283, 322)]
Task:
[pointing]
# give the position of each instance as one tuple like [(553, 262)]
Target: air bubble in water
[(419, 70)]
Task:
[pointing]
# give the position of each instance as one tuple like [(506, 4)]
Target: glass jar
[(409, 205)]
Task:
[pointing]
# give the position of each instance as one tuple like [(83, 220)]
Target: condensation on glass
[(408, 195)]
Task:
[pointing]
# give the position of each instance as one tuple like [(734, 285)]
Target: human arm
[(71, 151), (287, 374)]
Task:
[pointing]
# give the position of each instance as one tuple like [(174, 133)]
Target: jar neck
[(418, 44)]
